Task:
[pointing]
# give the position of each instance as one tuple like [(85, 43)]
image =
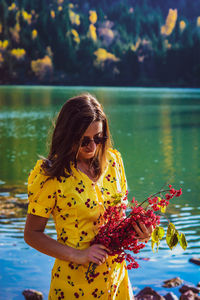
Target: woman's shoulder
[(114, 154), (38, 173)]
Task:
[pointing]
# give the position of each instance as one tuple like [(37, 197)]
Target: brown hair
[(74, 118)]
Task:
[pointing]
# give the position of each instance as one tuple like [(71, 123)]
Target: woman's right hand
[(35, 237), (96, 253)]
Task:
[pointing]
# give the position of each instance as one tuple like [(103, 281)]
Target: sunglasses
[(97, 140)]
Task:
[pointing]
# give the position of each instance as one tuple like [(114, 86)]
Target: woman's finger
[(101, 252), (99, 255), (137, 229), (104, 248), (99, 259), (144, 229), (96, 261)]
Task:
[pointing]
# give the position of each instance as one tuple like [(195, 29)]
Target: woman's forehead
[(94, 128)]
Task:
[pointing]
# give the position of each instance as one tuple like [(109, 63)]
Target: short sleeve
[(123, 180), (41, 192)]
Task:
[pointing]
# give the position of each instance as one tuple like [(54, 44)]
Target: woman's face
[(88, 146)]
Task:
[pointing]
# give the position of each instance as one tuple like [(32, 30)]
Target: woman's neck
[(86, 167), (84, 162)]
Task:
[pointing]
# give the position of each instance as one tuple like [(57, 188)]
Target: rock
[(186, 288), (189, 295), (171, 296), (172, 282), (195, 260), (11, 207), (32, 295), (148, 294)]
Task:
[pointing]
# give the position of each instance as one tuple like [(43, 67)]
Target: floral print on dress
[(77, 205)]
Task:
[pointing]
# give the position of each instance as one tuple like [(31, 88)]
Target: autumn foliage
[(121, 43)]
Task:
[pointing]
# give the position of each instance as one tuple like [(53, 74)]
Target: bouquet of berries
[(118, 234)]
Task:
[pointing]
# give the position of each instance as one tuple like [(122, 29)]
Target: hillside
[(112, 42)]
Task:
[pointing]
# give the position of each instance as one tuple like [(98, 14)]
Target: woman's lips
[(89, 151)]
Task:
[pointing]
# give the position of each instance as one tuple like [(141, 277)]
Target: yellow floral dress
[(77, 204)]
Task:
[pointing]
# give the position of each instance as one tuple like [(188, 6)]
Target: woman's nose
[(92, 145)]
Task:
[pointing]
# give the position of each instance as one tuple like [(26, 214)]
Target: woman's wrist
[(73, 254)]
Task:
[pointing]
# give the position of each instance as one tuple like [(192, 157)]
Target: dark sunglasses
[(97, 140)]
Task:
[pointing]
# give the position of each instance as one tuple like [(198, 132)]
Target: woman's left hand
[(143, 232)]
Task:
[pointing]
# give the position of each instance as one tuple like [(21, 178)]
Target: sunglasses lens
[(85, 142), (98, 140)]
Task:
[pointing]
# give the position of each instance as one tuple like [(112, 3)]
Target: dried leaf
[(182, 241)]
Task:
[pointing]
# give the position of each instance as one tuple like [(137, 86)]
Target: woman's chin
[(89, 154)]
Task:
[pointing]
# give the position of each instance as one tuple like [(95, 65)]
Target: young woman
[(75, 184)]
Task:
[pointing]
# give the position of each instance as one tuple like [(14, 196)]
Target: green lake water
[(158, 133)]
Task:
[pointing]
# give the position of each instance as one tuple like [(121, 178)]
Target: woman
[(75, 184)]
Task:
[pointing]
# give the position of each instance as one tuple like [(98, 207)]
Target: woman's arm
[(35, 237)]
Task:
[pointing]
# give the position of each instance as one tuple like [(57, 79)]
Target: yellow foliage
[(60, 8), (52, 13), (198, 21), (18, 53), (34, 34), (18, 16), (3, 44), (182, 25), (92, 32), (1, 28), (170, 22), (93, 16), (136, 46), (60, 2), (26, 16), (71, 5), (42, 67), (17, 27), (75, 36), (15, 32), (102, 55), (12, 6), (74, 18)]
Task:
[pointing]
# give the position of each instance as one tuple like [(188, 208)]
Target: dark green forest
[(107, 42)]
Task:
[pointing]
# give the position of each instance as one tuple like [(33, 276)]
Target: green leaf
[(156, 236), (172, 236), (163, 209), (115, 202), (182, 241), (117, 199), (153, 244), (172, 240), (171, 229)]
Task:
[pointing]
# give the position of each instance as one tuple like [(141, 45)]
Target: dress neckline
[(87, 177)]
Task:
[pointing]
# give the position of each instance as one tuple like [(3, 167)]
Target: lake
[(157, 132)]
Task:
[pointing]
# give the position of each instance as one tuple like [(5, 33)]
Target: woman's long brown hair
[(74, 118)]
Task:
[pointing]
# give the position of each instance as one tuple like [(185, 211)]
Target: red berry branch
[(118, 233)]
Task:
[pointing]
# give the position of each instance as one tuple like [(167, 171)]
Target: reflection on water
[(157, 132), (160, 266)]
